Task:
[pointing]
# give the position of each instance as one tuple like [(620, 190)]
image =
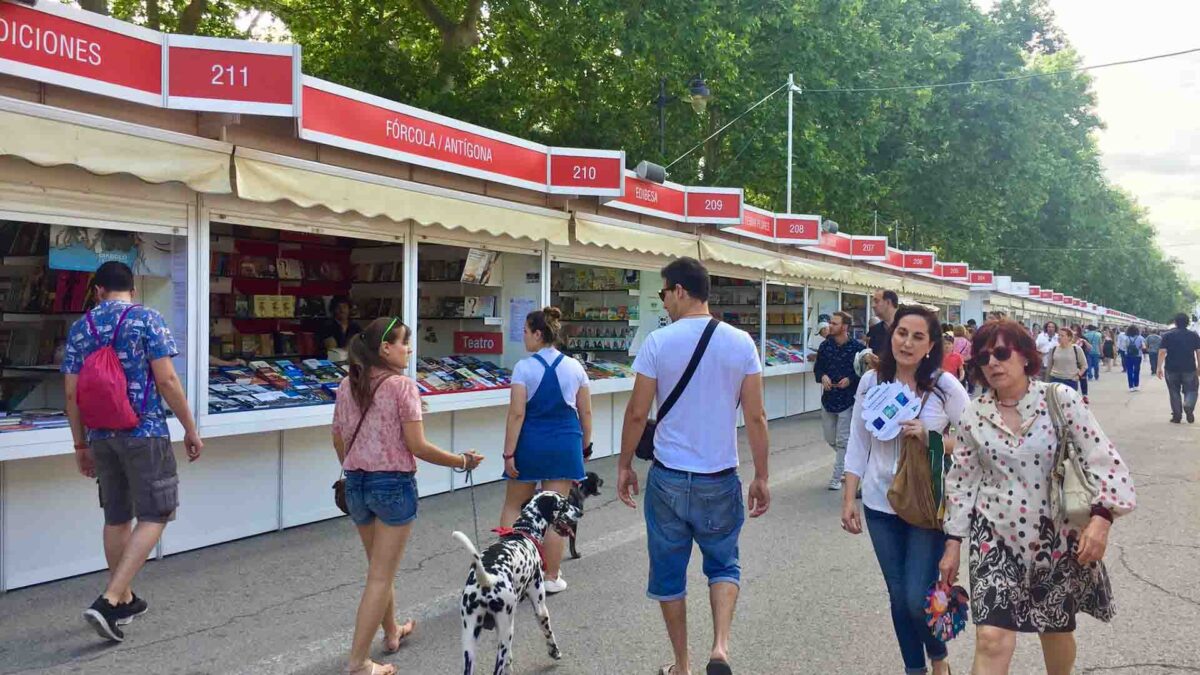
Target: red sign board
[(716, 205), (756, 224), (577, 171), (234, 76), (980, 278), (1035, 291), (1047, 294), (475, 342), (339, 116), (918, 262), (61, 45), (664, 200), (834, 243), (797, 229), (958, 271), (868, 248), (1057, 297)]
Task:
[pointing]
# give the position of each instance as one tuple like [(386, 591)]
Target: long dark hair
[(928, 366), (364, 354)]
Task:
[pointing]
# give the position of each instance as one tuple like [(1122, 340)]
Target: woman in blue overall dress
[(549, 425)]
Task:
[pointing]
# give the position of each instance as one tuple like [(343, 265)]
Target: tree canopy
[(1004, 175)]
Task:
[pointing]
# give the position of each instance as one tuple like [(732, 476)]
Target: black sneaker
[(1174, 420), (102, 617), (126, 611), (1191, 418)]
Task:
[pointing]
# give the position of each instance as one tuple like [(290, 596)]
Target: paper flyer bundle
[(886, 406)]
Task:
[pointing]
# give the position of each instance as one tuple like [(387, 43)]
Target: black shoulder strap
[(691, 369)]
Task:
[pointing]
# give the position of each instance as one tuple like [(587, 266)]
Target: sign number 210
[(231, 76)]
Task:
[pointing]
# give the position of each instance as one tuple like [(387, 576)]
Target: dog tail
[(484, 579)]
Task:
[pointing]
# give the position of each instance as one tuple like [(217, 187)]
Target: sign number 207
[(230, 76)]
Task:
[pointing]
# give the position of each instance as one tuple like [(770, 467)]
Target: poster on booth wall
[(479, 267), (518, 309), (83, 249)]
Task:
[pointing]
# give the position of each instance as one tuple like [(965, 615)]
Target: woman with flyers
[(907, 554)]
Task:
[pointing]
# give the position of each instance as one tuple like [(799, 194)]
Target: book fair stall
[(270, 222)]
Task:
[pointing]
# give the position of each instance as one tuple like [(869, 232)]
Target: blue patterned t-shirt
[(144, 338)]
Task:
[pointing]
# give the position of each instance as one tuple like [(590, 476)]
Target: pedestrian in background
[(1122, 344), (1030, 570), (134, 467), (835, 371), (1068, 363), (549, 427), (814, 342), (1108, 349), (1096, 340), (908, 555), (1153, 342), (884, 303), (1180, 367), (1046, 341), (952, 362), (1080, 341), (693, 492), (378, 434), (1131, 357)]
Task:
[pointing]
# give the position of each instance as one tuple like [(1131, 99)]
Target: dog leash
[(474, 509)]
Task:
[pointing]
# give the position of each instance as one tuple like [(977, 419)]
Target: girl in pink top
[(378, 434)]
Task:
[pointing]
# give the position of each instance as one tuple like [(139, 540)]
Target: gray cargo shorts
[(137, 478)]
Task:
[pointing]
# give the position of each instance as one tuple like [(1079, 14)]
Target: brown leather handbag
[(913, 494)]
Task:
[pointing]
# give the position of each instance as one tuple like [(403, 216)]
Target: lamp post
[(698, 96)]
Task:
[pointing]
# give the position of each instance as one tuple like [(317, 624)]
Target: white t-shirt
[(1046, 342), (700, 432), (878, 472), (571, 375), (815, 342)]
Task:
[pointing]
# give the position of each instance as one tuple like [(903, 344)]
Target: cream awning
[(263, 177), (922, 289), (874, 280), (742, 257), (952, 291), (53, 137), (812, 271), (598, 231)]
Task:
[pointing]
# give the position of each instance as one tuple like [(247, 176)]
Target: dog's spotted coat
[(506, 572)]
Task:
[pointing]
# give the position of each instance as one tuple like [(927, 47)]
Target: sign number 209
[(230, 76), (714, 204)]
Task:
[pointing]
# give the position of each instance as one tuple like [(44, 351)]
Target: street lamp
[(698, 96)]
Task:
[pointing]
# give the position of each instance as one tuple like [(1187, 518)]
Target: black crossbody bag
[(645, 446)]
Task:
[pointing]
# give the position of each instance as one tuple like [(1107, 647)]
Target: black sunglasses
[(662, 293), (1002, 353)]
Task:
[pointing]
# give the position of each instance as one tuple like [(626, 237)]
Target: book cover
[(289, 268)]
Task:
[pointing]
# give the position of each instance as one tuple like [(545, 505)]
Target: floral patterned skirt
[(1037, 587)]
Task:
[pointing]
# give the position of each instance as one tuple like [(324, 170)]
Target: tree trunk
[(153, 22), (457, 37), (189, 20), (712, 147), (97, 6)]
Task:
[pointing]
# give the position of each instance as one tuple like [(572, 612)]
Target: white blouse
[(571, 375), (874, 461)]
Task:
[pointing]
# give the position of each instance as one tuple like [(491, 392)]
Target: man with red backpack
[(118, 372)]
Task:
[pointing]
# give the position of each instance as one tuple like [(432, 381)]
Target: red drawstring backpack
[(102, 392)]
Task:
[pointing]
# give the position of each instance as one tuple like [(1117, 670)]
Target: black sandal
[(716, 667)]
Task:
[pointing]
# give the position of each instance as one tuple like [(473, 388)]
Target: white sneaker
[(835, 484), (556, 585)]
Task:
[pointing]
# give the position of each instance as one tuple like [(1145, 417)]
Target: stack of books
[(452, 374), (265, 385)]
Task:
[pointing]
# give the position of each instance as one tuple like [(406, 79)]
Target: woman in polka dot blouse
[(1030, 570)]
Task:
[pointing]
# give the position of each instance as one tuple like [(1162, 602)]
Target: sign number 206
[(230, 76)]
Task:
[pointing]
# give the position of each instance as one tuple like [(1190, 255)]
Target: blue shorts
[(390, 496), (681, 508)]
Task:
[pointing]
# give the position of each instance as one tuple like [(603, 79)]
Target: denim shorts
[(681, 508), (390, 496)]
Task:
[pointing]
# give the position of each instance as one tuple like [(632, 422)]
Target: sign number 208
[(230, 76)]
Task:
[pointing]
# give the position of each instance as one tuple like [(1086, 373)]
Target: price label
[(234, 76)]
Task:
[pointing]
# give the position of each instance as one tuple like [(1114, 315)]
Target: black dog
[(588, 487)]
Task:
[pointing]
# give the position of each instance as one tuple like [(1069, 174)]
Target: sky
[(1151, 143)]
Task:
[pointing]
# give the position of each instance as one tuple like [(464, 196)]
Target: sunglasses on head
[(1002, 353)]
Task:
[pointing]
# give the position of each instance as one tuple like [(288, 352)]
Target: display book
[(737, 302), (785, 326), (37, 305), (590, 297), (280, 383)]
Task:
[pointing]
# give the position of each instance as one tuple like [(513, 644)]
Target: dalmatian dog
[(506, 572)]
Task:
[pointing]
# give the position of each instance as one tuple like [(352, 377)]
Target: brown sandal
[(406, 629)]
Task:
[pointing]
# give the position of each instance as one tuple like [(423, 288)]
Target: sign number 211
[(231, 76)]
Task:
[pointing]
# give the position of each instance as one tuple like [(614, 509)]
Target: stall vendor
[(336, 331)]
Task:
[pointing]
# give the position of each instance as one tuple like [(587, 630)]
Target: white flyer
[(886, 406)]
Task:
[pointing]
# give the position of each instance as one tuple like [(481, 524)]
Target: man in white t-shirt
[(1047, 340), (693, 492)]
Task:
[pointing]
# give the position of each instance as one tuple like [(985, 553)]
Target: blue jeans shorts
[(681, 508), (390, 496)]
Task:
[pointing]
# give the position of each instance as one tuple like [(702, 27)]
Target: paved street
[(812, 600)]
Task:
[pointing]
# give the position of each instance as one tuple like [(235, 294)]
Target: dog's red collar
[(508, 531)]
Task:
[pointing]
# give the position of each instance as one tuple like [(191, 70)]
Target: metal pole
[(662, 117), (791, 92)]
